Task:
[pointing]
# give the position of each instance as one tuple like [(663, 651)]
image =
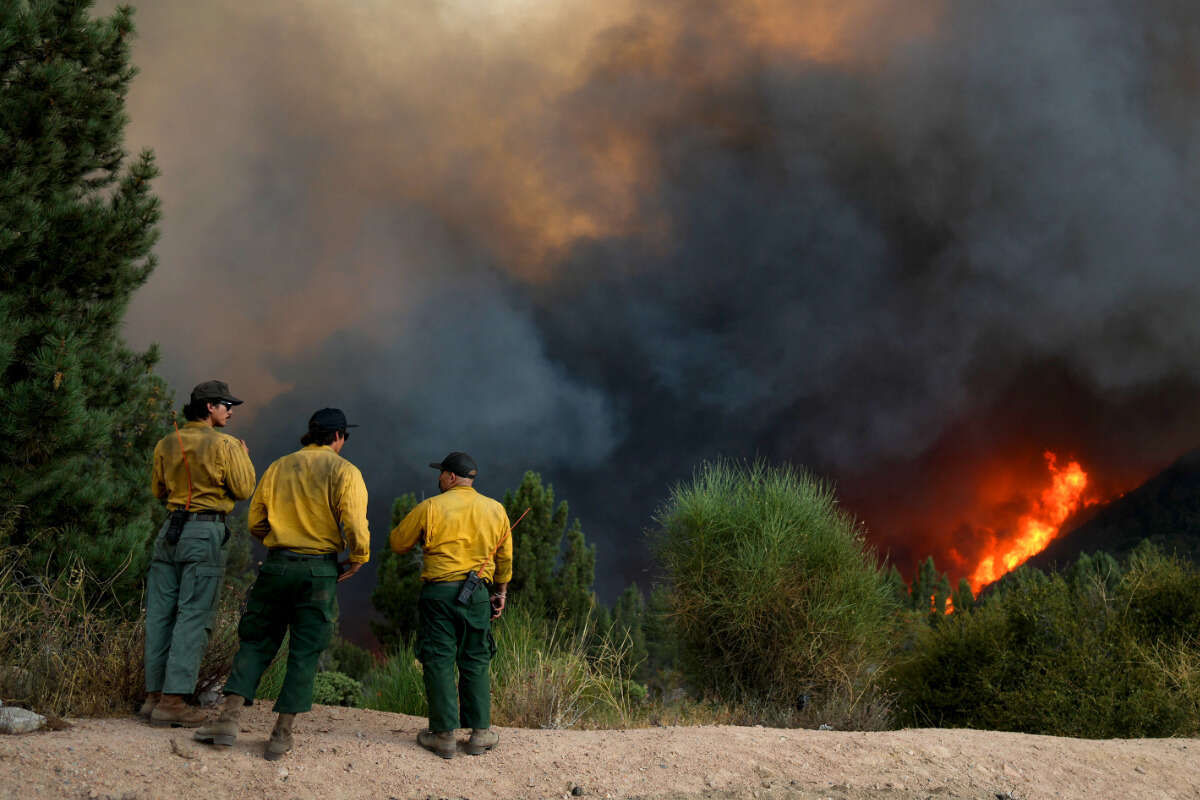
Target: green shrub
[(1079, 655), (337, 689), (776, 598), (349, 658)]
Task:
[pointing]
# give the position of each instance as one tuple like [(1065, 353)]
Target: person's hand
[(348, 569), (498, 604)]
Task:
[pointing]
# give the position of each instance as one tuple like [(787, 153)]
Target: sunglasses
[(228, 405)]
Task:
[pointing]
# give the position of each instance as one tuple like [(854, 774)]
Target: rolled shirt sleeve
[(352, 514)]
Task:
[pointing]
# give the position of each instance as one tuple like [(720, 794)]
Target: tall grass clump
[(547, 674), (396, 683), (777, 600)]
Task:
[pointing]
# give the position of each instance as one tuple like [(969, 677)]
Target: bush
[(337, 689), (347, 657), (776, 599), (1079, 655)]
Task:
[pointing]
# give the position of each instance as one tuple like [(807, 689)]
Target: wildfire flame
[(1038, 528)]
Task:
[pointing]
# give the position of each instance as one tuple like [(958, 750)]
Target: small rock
[(283, 773), (1139, 770), (57, 723), (19, 720), (182, 749), (825, 727), (577, 791)]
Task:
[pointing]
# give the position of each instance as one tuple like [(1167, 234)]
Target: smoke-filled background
[(908, 245)]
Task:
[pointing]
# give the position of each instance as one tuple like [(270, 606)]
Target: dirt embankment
[(352, 753)]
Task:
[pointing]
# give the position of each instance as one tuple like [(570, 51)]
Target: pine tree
[(896, 585), (79, 411), (964, 598), (629, 628), (550, 585), (398, 587), (662, 643), (930, 589)]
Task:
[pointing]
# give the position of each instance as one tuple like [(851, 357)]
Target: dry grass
[(66, 651), (61, 654), (547, 677)]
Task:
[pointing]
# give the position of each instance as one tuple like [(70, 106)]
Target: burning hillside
[(1035, 529)]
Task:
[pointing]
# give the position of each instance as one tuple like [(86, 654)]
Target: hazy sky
[(908, 245)]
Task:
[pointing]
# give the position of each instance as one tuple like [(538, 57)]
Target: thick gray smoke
[(894, 246)]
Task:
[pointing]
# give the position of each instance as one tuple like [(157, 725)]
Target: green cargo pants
[(450, 634), (182, 588), (291, 594)]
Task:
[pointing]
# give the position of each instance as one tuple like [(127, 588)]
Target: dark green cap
[(211, 391)]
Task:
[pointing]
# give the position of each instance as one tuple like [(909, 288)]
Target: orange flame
[(1039, 527)]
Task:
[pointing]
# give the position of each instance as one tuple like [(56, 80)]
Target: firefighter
[(309, 506), (466, 546), (199, 473)]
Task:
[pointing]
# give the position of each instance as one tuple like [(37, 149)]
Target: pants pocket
[(256, 621), (200, 541), (205, 583)]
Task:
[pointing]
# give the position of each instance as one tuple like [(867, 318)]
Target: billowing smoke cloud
[(901, 247)]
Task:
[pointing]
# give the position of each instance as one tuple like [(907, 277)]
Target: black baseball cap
[(214, 390), (328, 419), (460, 464)]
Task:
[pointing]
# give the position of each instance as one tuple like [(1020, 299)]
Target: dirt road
[(352, 753)]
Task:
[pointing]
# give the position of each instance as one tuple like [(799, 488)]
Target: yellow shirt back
[(221, 472), (313, 501), (457, 531)]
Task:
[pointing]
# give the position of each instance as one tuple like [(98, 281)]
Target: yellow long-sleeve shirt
[(457, 531), (312, 501), (220, 469)]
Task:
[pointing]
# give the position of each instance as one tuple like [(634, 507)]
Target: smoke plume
[(911, 246)]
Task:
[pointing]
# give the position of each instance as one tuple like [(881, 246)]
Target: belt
[(292, 555), (202, 516)]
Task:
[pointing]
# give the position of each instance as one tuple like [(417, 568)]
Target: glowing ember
[(1038, 528)]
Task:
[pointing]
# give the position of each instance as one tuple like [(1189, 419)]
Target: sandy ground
[(352, 753)]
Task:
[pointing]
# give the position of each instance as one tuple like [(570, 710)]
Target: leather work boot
[(172, 712), (223, 730), (281, 738), (148, 706), (440, 742), (481, 739)]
